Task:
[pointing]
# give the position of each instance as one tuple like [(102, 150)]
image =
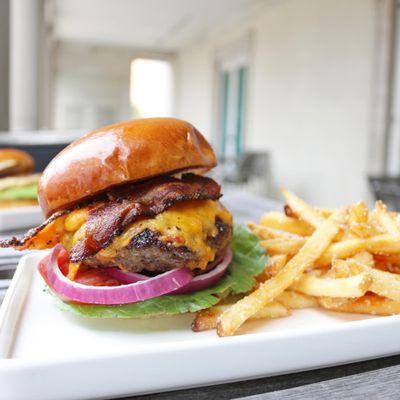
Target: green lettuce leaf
[(19, 192), (248, 261)]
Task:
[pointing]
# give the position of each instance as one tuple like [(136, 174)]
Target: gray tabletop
[(364, 380)]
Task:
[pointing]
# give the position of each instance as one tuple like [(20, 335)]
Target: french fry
[(383, 283), (342, 249), (324, 212), (263, 232), (353, 286), (332, 302), (277, 220), (368, 304), (344, 268), (365, 258), (387, 220), (359, 220), (345, 235), (358, 213), (339, 269), (207, 319), (272, 310), (381, 244), (288, 211), (315, 245), (312, 215), (274, 264), (293, 300), (367, 230), (283, 246), (303, 210)]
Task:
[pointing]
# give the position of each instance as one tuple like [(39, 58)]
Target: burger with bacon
[(134, 227)]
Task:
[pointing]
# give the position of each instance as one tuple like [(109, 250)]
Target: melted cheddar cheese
[(74, 227), (184, 224)]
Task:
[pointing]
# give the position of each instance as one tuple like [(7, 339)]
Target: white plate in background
[(15, 218), (48, 354)]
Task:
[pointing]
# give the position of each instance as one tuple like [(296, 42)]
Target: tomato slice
[(63, 261), (85, 276), (95, 277)]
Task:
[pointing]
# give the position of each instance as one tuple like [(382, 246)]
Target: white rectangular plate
[(49, 354), (20, 217)]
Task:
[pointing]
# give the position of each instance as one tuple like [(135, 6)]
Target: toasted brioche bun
[(15, 162), (123, 153)]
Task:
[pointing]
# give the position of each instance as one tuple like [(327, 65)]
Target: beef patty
[(147, 251)]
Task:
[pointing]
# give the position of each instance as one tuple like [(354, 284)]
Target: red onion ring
[(125, 277), (112, 295), (208, 279), (199, 282)]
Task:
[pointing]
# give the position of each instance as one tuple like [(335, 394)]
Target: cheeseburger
[(130, 217)]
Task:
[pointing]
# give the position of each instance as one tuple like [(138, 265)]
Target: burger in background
[(18, 185)]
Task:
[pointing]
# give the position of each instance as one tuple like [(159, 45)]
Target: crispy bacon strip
[(113, 212), (44, 236), (147, 200)]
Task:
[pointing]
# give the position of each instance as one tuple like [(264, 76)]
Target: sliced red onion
[(125, 277), (199, 282), (208, 279), (112, 295)]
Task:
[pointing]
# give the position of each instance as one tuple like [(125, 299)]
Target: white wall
[(84, 101), (309, 97), (194, 69), (90, 79), (89, 84)]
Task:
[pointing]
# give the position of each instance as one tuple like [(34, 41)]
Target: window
[(233, 92), (151, 88), (232, 77)]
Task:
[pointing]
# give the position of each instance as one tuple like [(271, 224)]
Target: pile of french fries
[(345, 260)]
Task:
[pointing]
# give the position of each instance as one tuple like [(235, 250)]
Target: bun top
[(15, 162), (123, 153)]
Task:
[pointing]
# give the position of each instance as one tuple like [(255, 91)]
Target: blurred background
[(296, 93)]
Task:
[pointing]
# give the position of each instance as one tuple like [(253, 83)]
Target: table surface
[(362, 380)]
